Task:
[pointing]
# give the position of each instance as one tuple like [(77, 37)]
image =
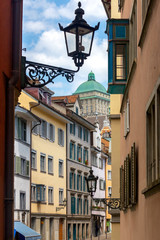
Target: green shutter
[(77, 205), (74, 129), (84, 210), (81, 183), (87, 155), (72, 205), (81, 205), (27, 168), (77, 181), (16, 127), (84, 136), (87, 135), (84, 185), (74, 151), (70, 150), (133, 175), (81, 132), (18, 165), (70, 180), (77, 152), (84, 155), (104, 185), (62, 138), (74, 181), (122, 188), (87, 206)]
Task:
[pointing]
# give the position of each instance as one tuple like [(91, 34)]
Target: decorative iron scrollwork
[(113, 203), (38, 75)]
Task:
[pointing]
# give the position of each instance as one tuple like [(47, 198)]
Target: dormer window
[(41, 95)]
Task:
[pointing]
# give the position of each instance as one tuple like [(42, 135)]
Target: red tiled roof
[(66, 99)]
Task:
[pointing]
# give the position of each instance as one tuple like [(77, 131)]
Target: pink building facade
[(140, 124)]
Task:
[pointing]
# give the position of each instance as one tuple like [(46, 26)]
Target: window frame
[(50, 192), (43, 170), (52, 170), (62, 171), (34, 152)]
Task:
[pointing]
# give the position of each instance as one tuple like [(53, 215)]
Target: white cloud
[(49, 46)]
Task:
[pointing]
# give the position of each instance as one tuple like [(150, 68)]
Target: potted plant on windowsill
[(86, 162), (79, 159)]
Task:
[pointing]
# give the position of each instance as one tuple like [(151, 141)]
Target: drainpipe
[(9, 139), (39, 123)]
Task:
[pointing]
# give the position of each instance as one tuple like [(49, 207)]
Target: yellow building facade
[(48, 169)]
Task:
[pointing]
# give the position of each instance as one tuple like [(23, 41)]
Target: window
[(21, 166), (50, 195), (60, 196), (79, 181), (33, 159), (153, 136), (72, 128), (77, 110), (72, 150), (33, 192), (60, 168), (60, 137), (79, 153), (109, 191), (85, 156), (78, 205), (102, 184), (109, 175), (21, 129), (43, 162), (73, 204), (133, 35), (22, 200), (121, 62), (50, 164), (51, 132), (72, 180), (35, 127), (94, 160), (101, 163), (43, 129), (80, 132), (85, 206), (127, 119), (85, 134), (109, 160), (128, 180), (40, 193), (145, 5)]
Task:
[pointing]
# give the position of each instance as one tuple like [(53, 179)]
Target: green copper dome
[(90, 85)]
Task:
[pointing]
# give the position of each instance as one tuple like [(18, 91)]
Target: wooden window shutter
[(84, 210), (127, 116), (125, 184), (27, 168), (53, 133), (18, 165), (87, 206), (62, 138), (48, 135), (74, 128), (84, 184), (133, 175), (122, 186), (77, 152), (128, 179), (81, 154), (71, 128), (16, 127)]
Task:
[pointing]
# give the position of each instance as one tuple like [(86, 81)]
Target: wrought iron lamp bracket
[(39, 75), (113, 203)]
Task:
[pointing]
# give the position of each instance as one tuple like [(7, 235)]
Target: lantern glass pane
[(71, 42), (86, 42)]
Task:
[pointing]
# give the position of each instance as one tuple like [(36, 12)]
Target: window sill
[(51, 204), (38, 202), (151, 190), (43, 171), (61, 176), (34, 169), (51, 174)]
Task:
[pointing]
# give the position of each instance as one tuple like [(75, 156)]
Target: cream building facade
[(48, 165)]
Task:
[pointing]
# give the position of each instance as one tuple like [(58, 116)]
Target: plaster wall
[(143, 222)]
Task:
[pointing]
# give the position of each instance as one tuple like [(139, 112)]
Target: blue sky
[(45, 42)]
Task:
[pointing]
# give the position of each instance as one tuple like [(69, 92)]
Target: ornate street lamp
[(91, 180), (79, 38), (91, 183)]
